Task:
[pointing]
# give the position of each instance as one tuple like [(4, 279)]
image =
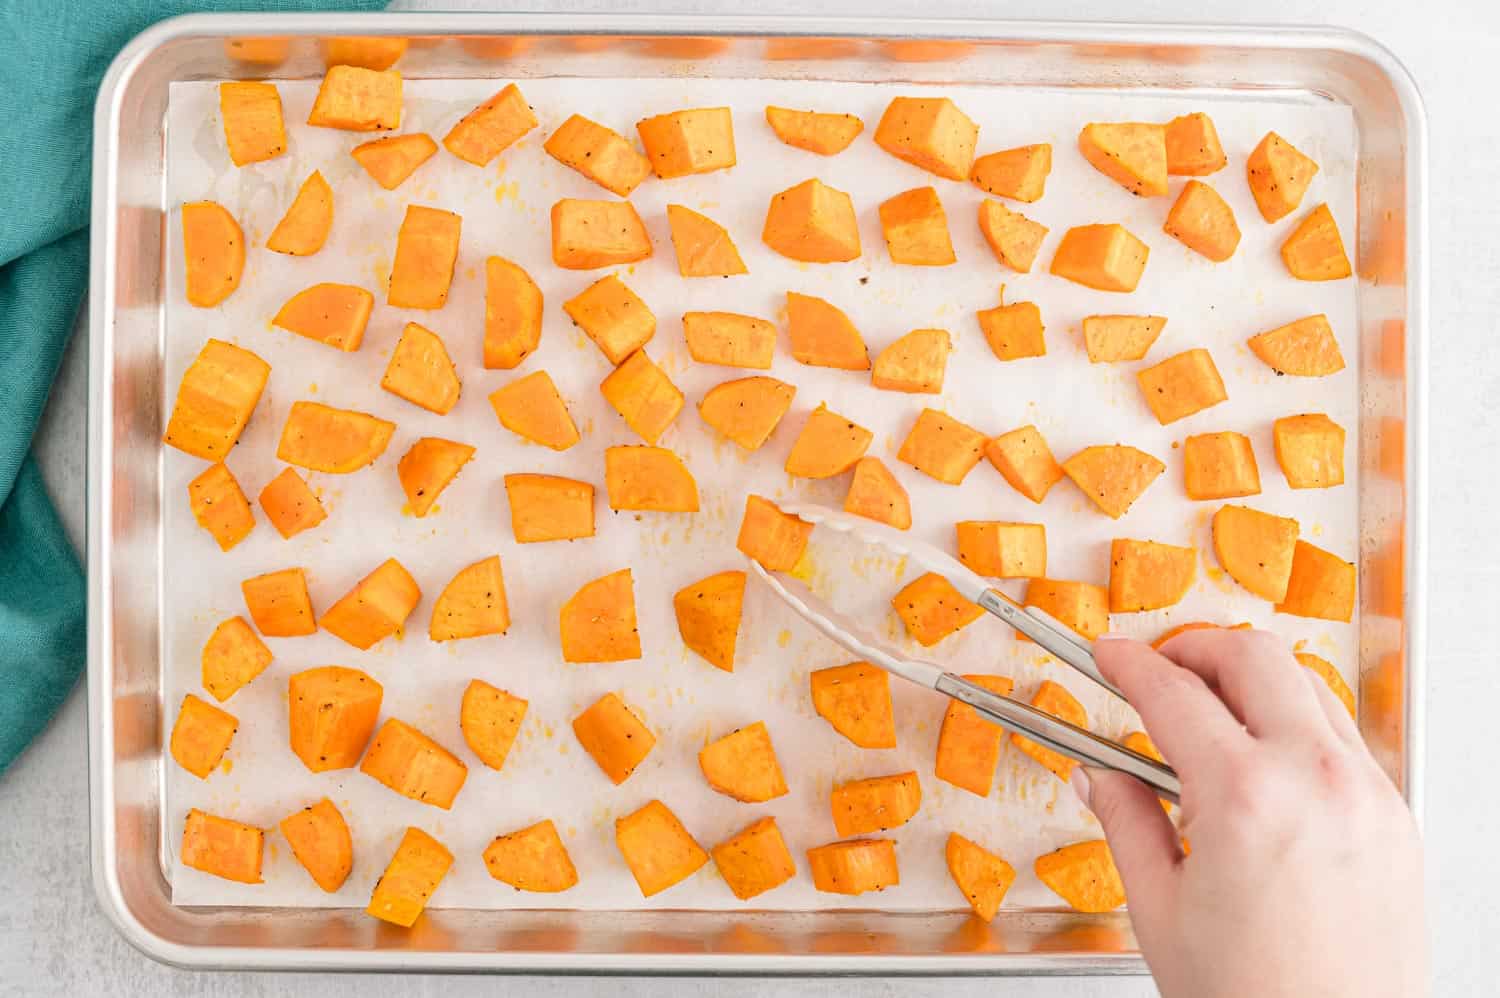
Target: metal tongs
[(1047, 631)]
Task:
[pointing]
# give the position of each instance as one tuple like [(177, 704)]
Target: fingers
[(1257, 677), (1334, 710), (1141, 836)]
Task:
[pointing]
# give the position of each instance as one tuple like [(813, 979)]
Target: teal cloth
[(55, 53)]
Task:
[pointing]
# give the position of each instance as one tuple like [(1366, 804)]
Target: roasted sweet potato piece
[(1113, 476), (290, 505), (375, 608), (253, 126), (1321, 585), (490, 719), (339, 441), (1192, 625), (1256, 549), (1219, 466), (1140, 743), (1325, 671), (1025, 461), (876, 494), (643, 395), (220, 506), (369, 51), (743, 765), (426, 253), (1003, 550), (729, 339), (614, 736), (320, 840), (491, 128), (613, 316), (331, 712), (822, 336), (916, 229), (587, 235), (279, 604), (648, 478), (356, 99), (658, 850), (1103, 257), (822, 133), (1278, 176), (1113, 338), (1203, 222), (982, 876), (697, 140), (335, 314), (813, 223), (532, 859), (602, 154), (531, 407), (213, 249), (428, 468), (421, 371), (1193, 148), (856, 700), (930, 133), (1133, 154), (1013, 238), (201, 735), (854, 867), (389, 161), (828, 445), (1014, 331), (1315, 250), (968, 746), (703, 246), (940, 446), (218, 393), (1181, 385), (747, 410), (304, 228), (1058, 702), (549, 508), (414, 765), (914, 363), (932, 609), (875, 804), (1019, 174), (1310, 450), (222, 847), (771, 537), (598, 621), (754, 859), (232, 657), (472, 604), (512, 314), (1305, 348), (1082, 606), (1084, 875), (708, 616), (1146, 575), (420, 863)]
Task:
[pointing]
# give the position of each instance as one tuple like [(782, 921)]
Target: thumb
[(1141, 837)]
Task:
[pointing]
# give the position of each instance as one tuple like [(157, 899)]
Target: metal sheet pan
[(126, 381)]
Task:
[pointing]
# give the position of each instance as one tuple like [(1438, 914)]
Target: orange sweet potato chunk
[(1019, 174), (491, 128), (614, 736), (1081, 606), (813, 223), (598, 622), (1057, 701), (389, 161), (531, 407), (1279, 175), (279, 604), (1315, 250), (1113, 476), (1025, 461), (472, 604), (1193, 148), (331, 713), (253, 127), (426, 253), (1084, 875), (421, 371), (754, 860), (339, 441), (490, 719), (982, 876), (512, 314), (1014, 331), (428, 468), (930, 133), (968, 746), (942, 447), (225, 848), (549, 508), (643, 395), (219, 391), (658, 850), (220, 506), (822, 133), (1325, 671), (356, 99), (708, 616), (1181, 385), (1103, 257), (914, 363), (1192, 625), (771, 537), (369, 51), (856, 700), (320, 841), (201, 735), (1256, 549), (876, 494), (1203, 222), (854, 867), (932, 609), (1132, 154), (1003, 550), (747, 410), (232, 657), (1147, 575), (375, 608), (729, 339), (821, 335), (1219, 466), (532, 859), (1321, 585), (290, 504), (828, 445), (1113, 338), (613, 316), (335, 314), (410, 878), (304, 228), (1305, 348), (413, 765), (916, 229), (1310, 450), (213, 249), (1013, 238), (697, 140), (648, 478), (875, 804), (587, 234), (743, 765), (703, 246), (599, 153)]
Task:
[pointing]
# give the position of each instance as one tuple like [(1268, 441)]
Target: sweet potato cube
[(201, 736), (914, 363), (375, 608), (856, 700), (213, 250), (532, 859), (472, 604), (743, 765), (747, 410), (876, 494), (658, 850), (1193, 148), (232, 657), (875, 804), (699, 140), (1279, 175), (1003, 550), (339, 441), (279, 604), (643, 395), (549, 508), (512, 314), (587, 235), (1131, 153), (304, 228), (828, 445), (1057, 701), (1219, 466), (822, 133), (942, 447), (220, 507), (932, 609), (1146, 575), (1192, 625), (1084, 875), (729, 339), (614, 736), (225, 848), (916, 229), (421, 371), (1310, 450), (1203, 222), (771, 537), (703, 246), (613, 316), (356, 99), (813, 223), (1305, 348), (1315, 250), (491, 128), (1019, 174), (930, 133), (598, 621), (1014, 331), (490, 719), (410, 878), (1256, 549), (1321, 585), (290, 504), (413, 765), (1103, 257), (331, 713), (428, 468), (219, 391), (968, 746), (648, 478), (1012, 236), (531, 407), (1140, 743), (821, 335), (708, 616), (335, 314), (854, 867), (982, 876), (389, 161), (1113, 338), (602, 154), (754, 859), (1324, 670), (1025, 461), (1181, 385), (253, 127), (320, 841), (1081, 606), (426, 253), (369, 51), (1113, 476)]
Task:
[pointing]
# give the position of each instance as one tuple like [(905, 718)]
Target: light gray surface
[(53, 940)]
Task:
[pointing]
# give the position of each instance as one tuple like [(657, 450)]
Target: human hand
[(1305, 877)]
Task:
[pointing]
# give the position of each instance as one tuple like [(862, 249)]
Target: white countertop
[(54, 940)]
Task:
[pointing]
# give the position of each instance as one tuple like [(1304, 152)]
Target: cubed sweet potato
[(876, 494), (697, 140), (335, 314), (201, 735), (1219, 466), (531, 407), (213, 250), (1131, 153), (587, 235), (1279, 175), (375, 608), (658, 850), (1113, 476), (1057, 701), (1113, 338), (754, 859), (421, 371), (416, 869), (598, 621), (219, 391), (828, 445), (708, 616), (290, 504), (1203, 222), (875, 804), (1084, 875), (1081, 606), (304, 228), (1305, 348), (932, 609), (1321, 585), (389, 161), (549, 508), (1103, 257), (822, 133), (1256, 549), (747, 410), (413, 765), (1013, 238), (339, 441), (613, 316), (1325, 671), (279, 604), (472, 604), (512, 314), (914, 363), (821, 335), (856, 700), (232, 657), (638, 477), (940, 446), (703, 246), (1193, 148), (356, 99), (1310, 450), (220, 506), (331, 712), (600, 153), (1014, 331), (854, 867), (1147, 575), (1140, 743), (743, 765), (968, 747), (983, 877), (369, 51), (223, 847), (1315, 250), (614, 736), (320, 841), (1003, 550), (426, 253), (253, 127), (1019, 174), (532, 859), (771, 537), (1181, 385), (930, 133), (1025, 461), (813, 223), (428, 468), (729, 339), (916, 229), (491, 128), (490, 719), (643, 395), (1192, 625)]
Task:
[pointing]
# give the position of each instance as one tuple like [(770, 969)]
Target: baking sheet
[(685, 701)]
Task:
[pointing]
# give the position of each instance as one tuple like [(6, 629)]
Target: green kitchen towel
[(55, 53)]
